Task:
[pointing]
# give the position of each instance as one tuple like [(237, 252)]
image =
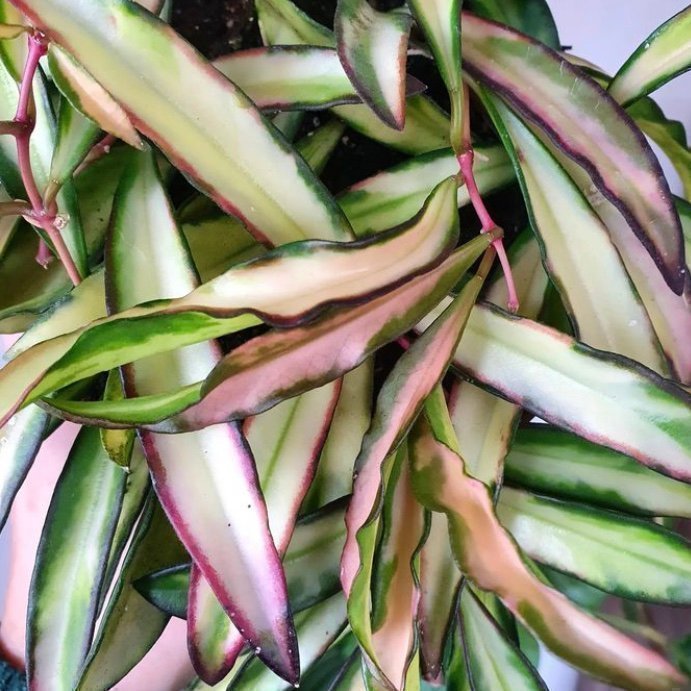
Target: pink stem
[(43, 255), (465, 159), (40, 215)]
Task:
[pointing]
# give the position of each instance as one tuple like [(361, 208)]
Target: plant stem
[(16, 207), (39, 215), (466, 157)]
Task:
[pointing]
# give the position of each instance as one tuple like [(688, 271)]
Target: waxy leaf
[(204, 124), (630, 557), (282, 23), (287, 77), (661, 57), (317, 628), (246, 575), (373, 47), (88, 97), (263, 371), (550, 461), (493, 661), (8, 31), (602, 397), (286, 442), (318, 145), (578, 253), (487, 555), (70, 564), (402, 396), (130, 625), (532, 17), (265, 284), (394, 195), (440, 21), (582, 120)]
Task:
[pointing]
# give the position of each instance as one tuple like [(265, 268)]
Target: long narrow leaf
[(226, 155), (550, 461), (373, 46), (662, 56), (70, 564), (488, 556), (633, 558), (587, 124)]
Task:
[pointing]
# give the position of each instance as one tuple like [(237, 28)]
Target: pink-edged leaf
[(600, 396), (488, 556), (286, 442), (414, 376), (579, 117), (373, 48), (280, 364), (207, 481)]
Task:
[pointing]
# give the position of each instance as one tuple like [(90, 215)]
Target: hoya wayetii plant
[(308, 401)]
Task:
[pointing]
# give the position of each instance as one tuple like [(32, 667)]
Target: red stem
[(40, 215), (465, 159)]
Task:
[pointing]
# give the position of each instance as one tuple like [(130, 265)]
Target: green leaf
[(317, 146), (440, 21), (351, 418), (75, 137), (373, 49), (282, 364), (589, 274), (317, 628), (532, 17), (12, 53), (487, 555), (116, 443), (289, 77), (267, 284), (550, 461), (661, 57), (619, 554), (130, 625), (402, 396), (669, 135), (9, 31), (70, 564), (494, 662), (286, 442), (588, 126), (599, 396), (426, 126), (394, 195), (178, 100), (246, 576), (282, 23)]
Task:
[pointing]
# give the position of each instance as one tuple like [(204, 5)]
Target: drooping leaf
[(116, 443), (630, 557), (600, 396), (488, 557), (661, 57), (372, 47), (578, 253), (286, 442), (206, 126), (317, 628), (550, 461), (582, 120), (493, 661), (246, 576), (392, 196), (70, 564), (402, 396), (532, 17), (289, 77), (89, 98), (267, 287), (130, 625), (440, 21)]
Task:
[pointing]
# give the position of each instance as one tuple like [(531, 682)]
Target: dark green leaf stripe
[(554, 462)]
